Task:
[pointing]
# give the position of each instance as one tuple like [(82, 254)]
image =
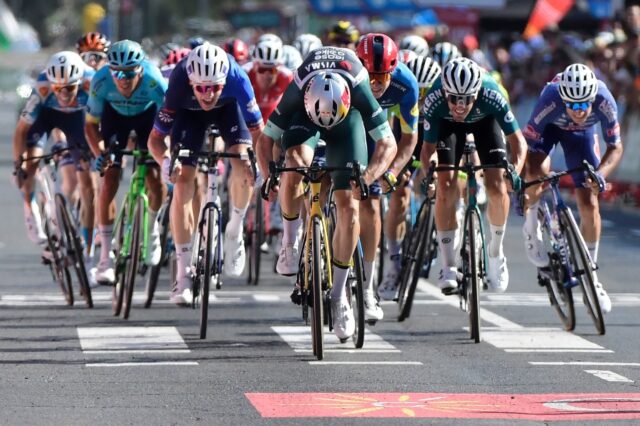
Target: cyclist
[(238, 49), (57, 102), (414, 43), (92, 48), (305, 43), (172, 58), (444, 52), (567, 112), (124, 98), (206, 88), (292, 58), (330, 98), (391, 84), (463, 100), (344, 34)]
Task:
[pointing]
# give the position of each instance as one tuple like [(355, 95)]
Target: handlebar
[(555, 176), (212, 157)]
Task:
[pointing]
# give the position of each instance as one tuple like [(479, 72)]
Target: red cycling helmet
[(175, 55), (238, 49), (378, 53)]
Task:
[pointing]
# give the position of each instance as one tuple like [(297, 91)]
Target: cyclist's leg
[(66, 166)]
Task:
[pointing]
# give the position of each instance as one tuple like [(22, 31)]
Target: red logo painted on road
[(539, 407)]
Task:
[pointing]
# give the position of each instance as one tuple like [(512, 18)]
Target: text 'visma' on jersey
[(237, 88), (149, 92), (334, 59), (551, 109), (490, 102), (403, 92), (42, 96)]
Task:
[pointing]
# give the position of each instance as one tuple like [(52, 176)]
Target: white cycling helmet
[(425, 69), (462, 77), (305, 43), (269, 52), (269, 37), (327, 99), (578, 84), (444, 52), (207, 64), (415, 43), (292, 58), (65, 67)]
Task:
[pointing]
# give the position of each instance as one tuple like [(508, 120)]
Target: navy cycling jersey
[(237, 89), (403, 93), (551, 109)]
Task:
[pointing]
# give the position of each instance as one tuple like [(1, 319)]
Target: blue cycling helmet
[(194, 42), (125, 54)]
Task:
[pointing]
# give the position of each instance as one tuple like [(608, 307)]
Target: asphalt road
[(72, 365)]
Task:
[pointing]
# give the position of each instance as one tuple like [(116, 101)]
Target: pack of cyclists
[(361, 98)]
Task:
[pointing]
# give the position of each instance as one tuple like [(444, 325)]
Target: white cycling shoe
[(344, 324)]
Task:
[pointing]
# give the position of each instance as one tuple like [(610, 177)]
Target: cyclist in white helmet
[(292, 58), (463, 100), (567, 112), (444, 52), (305, 43), (415, 43), (207, 88)]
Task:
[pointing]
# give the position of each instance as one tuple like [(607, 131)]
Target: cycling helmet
[(268, 52), (65, 67), (327, 99), (238, 49), (125, 54), (269, 37), (445, 52), (343, 32), (176, 55), (292, 58), (93, 42), (415, 43), (405, 55), (167, 48), (305, 43), (378, 53), (194, 42), (461, 76), (578, 84), (207, 64), (425, 69)]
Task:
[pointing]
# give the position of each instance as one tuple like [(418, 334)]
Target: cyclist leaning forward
[(465, 99), (206, 88), (330, 98), (567, 112), (124, 98)]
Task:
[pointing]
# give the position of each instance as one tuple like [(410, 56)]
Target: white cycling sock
[(152, 221), (106, 232), (593, 250), (495, 244), (394, 247), (368, 274), (290, 230), (531, 219), (236, 219), (446, 242), (339, 282), (183, 257)]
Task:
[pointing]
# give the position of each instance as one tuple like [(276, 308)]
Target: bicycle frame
[(316, 210)]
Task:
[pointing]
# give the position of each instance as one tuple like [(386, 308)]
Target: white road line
[(595, 351), (138, 351), (269, 298), (609, 376), (141, 364), (612, 364), (354, 351), (128, 338), (537, 338), (365, 363), (299, 338)]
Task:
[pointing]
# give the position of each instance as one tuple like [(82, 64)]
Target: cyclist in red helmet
[(92, 48), (238, 49), (171, 60)]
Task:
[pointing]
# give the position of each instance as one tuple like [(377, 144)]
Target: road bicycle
[(207, 254), (570, 264), (64, 248), (255, 237), (166, 246), (314, 276)]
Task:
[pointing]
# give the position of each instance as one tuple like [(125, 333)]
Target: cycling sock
[(446, 241), (340, 274), (236, 219), (394, 246), (531, 219), (593, 250), (368, 274), (183, 258), (495, 244), (290, 230), (105, 241)]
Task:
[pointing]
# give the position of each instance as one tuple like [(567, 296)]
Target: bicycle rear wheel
[(205, 280), (135, 256), (583, 269), (59, 271), (154, 273), (355, 289), (317, 322), (473, 275), (117, 297)]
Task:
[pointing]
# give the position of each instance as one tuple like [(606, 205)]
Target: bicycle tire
[(317, 322), (59, 272), (474, 253), (134, 256), (382, 246), (257, 238), (356, 297), (581, 262), (205, 280), (117, 297), (154, 274), (74, 249)]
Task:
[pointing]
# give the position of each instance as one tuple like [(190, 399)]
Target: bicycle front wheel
[(257, 238), (117, 298), (154, 273), (134, 256), (317, 322), (355, 287), (205, 280), (59, 271), (473, 275), (582, 268)]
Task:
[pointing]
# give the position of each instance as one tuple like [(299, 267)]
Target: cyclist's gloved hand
[(100, 162), (514, 177), (19, 175), (602, 183)]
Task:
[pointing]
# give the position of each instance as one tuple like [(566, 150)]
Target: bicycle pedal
[(296, 297)]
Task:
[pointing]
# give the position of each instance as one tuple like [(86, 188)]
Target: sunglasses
[(456, 99), (204, 88), (270, 70), (380, 77), (64, 87), (125, 74), (578, 106), (88, 57)]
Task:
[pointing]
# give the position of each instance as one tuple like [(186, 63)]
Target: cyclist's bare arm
[(518, 146), (264, 152), (383, 154), (610, 159), (406, 146), (94, 138), (20, 139), (157, 147)]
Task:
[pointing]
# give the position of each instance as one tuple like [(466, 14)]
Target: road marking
[(130, 338), (596, 351), (365, 363), (609, 376), (299, 338), (137, 351), (268, 298), (537, 338), (612, 364), (141, 364), (354, 351)]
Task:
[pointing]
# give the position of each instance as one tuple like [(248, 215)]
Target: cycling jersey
[(268, 99), (149, 93), (402, 96), (179, 96)]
